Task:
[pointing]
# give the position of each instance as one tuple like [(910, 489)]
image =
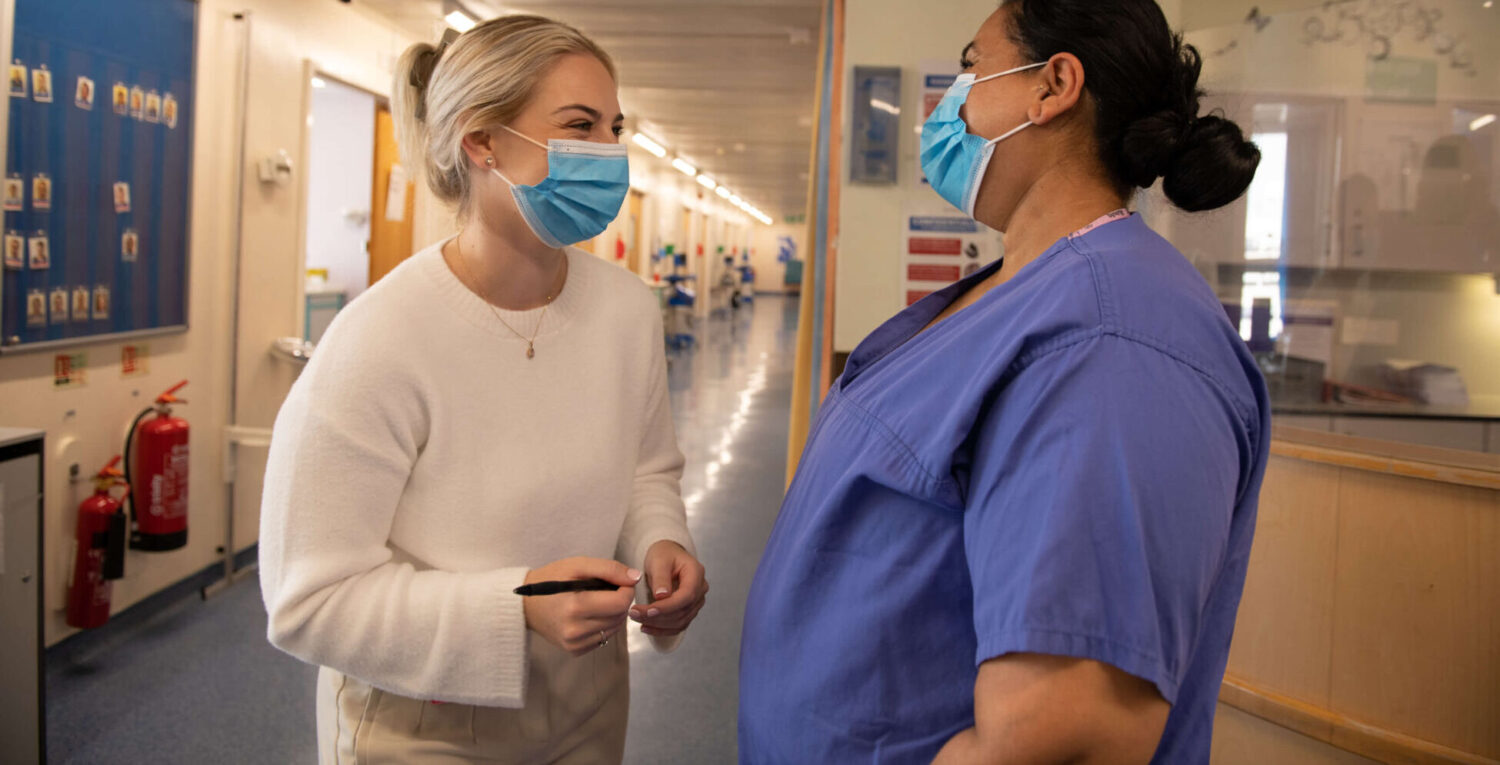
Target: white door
[(341, 156)]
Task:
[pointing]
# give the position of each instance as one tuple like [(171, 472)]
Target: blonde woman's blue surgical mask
[(585, 185), (953, 158)]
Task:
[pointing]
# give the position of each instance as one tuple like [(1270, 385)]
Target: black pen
[(571, 585)]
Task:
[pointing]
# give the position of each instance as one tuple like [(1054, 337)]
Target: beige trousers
[(575, 714)]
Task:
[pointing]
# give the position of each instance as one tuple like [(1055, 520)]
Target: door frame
[(310, 70)]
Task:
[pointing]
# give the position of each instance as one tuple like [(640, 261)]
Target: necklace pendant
[(530, 351)]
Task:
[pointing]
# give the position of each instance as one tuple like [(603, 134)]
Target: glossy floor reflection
[(730, 397), (196, 682)]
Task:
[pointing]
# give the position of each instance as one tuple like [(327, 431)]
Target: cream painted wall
[(85, 426), (1198, 14), (867, 286), (770, 273)]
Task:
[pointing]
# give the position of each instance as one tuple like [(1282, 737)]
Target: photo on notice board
[(41, 85), (169, 111), (15, 194), (101, 303), (153, 107), (122, 197), (15, 251), (84, 96), (80, 304), (36, 309), (41, 192), (41, 253), (137, 101), (130, 246), (59, 305), (121, 98), (17, 81)]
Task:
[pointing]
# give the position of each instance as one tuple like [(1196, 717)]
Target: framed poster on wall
[(106, 183)]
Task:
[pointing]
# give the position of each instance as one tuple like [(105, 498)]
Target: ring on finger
[(603, 639)]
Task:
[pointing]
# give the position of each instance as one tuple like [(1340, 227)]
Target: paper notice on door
[(395, 197), (1307, 329)]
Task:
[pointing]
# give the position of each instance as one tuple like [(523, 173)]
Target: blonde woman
[(492, 414)]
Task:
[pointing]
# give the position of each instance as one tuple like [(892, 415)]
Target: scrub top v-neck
[(1068, 466)]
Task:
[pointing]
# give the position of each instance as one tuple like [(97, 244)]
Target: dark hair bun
[(1150, 145), (1212, 167)]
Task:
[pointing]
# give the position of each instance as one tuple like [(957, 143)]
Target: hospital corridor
[(750, 382)]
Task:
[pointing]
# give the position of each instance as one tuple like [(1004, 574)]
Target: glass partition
[(1361, 264)]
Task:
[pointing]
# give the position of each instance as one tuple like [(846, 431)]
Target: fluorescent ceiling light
[(1480, 122), (640, 139), (684, 168), (459, 20), (319, 82), (707, 182), (735, 200), (722, 191)]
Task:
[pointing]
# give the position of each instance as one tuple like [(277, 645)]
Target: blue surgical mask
[(585, 185), (953, 158)]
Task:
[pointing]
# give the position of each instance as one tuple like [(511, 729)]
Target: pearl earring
[(490, 161)]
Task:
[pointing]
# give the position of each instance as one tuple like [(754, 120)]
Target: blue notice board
[(98, 170)]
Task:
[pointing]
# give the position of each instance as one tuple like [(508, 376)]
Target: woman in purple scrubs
[(1020, 527)]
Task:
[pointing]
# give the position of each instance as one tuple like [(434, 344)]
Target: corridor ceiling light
[(735, 200), (684, 168), (1480, 122), (459, 20), (722, 192), (707, 182), (319, 82), (640, 139)]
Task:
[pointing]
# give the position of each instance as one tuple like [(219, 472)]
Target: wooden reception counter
[(1370, 625)]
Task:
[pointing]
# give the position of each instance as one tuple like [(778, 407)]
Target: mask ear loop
[(490, 161), (1017, 129), (1010, 71), (1025, 124)]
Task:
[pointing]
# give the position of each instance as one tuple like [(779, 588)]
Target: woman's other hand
[(579, 622), (678, 590)]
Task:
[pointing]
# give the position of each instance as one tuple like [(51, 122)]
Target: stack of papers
[(1432, 384)]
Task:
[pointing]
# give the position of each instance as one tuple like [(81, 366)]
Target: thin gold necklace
[(530, 341)]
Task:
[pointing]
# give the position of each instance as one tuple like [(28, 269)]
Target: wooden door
[(390, 234), (633, 232)]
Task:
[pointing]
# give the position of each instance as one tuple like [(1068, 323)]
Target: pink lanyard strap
[(1109, 217)]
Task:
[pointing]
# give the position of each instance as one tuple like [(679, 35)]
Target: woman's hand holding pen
[(579, 622), (678, 590)]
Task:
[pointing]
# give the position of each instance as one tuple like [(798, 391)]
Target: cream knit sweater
[(422, 465)]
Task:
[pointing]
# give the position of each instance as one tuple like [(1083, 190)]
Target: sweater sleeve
[(342, 451), (656, 509)]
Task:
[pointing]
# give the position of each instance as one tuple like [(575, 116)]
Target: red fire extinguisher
[(156, 465), (100, 550)]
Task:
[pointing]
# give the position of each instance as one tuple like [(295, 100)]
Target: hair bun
[(1151, 144), (1213, 166)]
